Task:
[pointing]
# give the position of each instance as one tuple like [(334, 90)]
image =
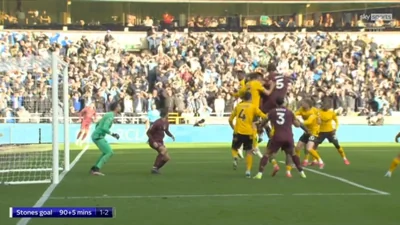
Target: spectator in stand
[(152, 116), (219, 106), (148, 22), (194, 74), (168, 20)]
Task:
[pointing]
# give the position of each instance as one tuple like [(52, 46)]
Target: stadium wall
[(31, 133)]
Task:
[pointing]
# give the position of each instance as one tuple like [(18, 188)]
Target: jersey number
[(242, 115), (281, 118), (279, 82)]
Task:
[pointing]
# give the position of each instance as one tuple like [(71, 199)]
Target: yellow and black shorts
[(244, 140), (331, 136), (305, 138)]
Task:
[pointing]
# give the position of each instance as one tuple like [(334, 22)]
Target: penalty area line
[(208, 196), (351, 183), (47, 194)]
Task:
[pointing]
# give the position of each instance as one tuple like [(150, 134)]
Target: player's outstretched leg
[(289, 165), (299, 147), (240, 153), (235, 156), (161, 159), (249, 163), (275, 166), (296, 161), (263, 163), (393, 165), (84, 137), (157, 161), (340, 150), (78, 138), (107, 153), (256, 149), (310, 148)]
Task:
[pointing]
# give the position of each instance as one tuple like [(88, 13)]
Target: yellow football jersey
[(244, 113), (311, 119), (242, 88), (255, 87), (327, 118)]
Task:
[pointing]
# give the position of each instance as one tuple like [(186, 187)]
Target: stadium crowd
[(196, 73)]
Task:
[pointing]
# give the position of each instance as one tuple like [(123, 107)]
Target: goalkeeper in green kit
[(98, 137)]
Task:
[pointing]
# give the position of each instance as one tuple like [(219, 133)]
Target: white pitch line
[(345, 181), (337, 194), (47, 194), (208, 196)]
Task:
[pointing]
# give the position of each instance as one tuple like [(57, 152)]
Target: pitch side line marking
[(345, 181), (209, 196), (47, 194)]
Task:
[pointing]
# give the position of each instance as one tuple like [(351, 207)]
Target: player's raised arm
[(259, 113), (310, 120), (297, 113), (270, 90), (297, 123), (232, 117), (242, 91)]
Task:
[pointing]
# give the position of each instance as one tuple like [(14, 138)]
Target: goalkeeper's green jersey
[(103, 126)]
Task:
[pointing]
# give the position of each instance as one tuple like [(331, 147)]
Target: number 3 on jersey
[(281, 118), (242, 115), (279, 82)]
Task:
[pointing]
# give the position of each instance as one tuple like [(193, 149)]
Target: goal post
[(40, 159)]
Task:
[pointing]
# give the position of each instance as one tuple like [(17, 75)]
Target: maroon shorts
[(85, 125), (286, 145), (159, 145)]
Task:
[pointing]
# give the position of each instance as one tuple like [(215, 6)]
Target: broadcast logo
[(377, 16)]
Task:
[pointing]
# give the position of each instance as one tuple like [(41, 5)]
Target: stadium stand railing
[(175, 118)]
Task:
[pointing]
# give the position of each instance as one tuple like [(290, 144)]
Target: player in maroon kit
[(87, 116), (281, 86), (282, 120), (156, 135), (269, 102)]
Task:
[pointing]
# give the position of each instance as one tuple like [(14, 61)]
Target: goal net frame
[(54, 171)]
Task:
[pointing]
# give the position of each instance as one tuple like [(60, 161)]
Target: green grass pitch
[(199, 187)]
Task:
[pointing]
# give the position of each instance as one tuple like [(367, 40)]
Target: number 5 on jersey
[(279, 82)]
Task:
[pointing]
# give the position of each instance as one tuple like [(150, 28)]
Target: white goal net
[(33, 107)]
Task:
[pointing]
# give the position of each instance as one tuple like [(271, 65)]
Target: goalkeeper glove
[(115, 135)]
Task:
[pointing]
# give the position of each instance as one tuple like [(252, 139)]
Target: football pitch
[(199, 187)]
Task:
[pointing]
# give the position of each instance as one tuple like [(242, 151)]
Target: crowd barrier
[(42, 133)]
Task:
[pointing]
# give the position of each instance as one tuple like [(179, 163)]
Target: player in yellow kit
[(243, 78), (395, 161), (243, 130), (242, 82), (327, 131), (254, 85), (307, 140)]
